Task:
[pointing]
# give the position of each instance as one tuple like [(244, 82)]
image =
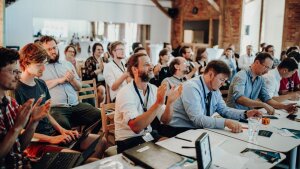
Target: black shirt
[(24, 92)]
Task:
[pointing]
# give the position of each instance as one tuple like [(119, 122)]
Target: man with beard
[(248, 89), (201, 98), (13, 118), (140, 103), (114, 72), (32, 63), (63, 82)]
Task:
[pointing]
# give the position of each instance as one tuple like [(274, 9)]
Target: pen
[(187, 147), (183, 139), (127, 160), (244, 127)]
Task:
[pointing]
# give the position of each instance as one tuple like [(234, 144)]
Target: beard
[(50, 60), (145, 77)]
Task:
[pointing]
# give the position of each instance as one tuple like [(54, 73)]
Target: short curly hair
[(8, 56), (133, 61), (32, 53)]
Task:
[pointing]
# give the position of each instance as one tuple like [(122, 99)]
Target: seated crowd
[(152, 103)]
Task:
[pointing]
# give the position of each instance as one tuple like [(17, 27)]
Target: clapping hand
[(23, 114), (40, 111), (174, 93)]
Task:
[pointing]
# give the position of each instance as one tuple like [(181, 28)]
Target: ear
[(176, 66), (134, 70), (210, 74)]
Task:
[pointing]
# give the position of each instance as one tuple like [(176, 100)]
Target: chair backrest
[(107, 117), (107, 94), (92, 90)]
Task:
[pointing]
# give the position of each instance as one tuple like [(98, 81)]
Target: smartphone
[(291, 116)]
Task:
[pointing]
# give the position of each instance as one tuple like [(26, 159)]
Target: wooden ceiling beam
[(161, 8)]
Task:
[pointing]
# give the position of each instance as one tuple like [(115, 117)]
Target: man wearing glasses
[(63, 83), (201, 98), (248, 86)]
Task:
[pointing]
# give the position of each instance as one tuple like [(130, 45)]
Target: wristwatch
[(245, 115)]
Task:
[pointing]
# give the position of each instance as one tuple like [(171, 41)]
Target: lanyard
[(141, 100), (122, 70), (181, 80), (206, 100)]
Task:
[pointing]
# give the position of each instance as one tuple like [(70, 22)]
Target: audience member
[(228, 58), (247, 59), (187, 53), (94, 70), (63, 83), (161, 70), (248, 86), (283, 55), (140, 50), (201, 59), (178, 71), (201, 98), (115, 73), (14, 118), (285, 69), (270, 49), (140, 104), (136, 44), (107, 56), (32, 63), (292, 83)]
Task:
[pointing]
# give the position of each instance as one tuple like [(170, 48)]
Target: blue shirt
[(62, 95), (242, 85), (190, 110)]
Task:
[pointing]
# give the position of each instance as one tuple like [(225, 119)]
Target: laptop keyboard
[(61, 160)]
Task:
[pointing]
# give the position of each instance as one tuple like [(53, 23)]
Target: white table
[(115, 162), (276, 142), (225, 150)]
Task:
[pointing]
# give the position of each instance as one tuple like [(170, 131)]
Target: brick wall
[(229, 18), (291, 28)]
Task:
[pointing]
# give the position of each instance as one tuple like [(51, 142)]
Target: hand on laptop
[(73, 133), (60, 139)]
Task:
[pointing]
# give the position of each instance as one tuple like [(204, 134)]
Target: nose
[(43, 67)]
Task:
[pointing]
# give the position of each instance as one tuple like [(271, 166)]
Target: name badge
[(148, 137)]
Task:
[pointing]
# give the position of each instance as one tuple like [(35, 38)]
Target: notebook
[(150, 155)]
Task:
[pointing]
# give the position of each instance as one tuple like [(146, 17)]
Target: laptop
[(75, 144), (150, 155), (65, 160)]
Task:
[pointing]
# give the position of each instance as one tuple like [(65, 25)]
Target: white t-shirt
[(128, 106), (272, 81), (111, 73), (245, 61)]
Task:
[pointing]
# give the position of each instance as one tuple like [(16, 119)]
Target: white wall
[(251, 17), (273, 18), (19, 16)]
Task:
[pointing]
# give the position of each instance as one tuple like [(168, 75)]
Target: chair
[(92, 89), (108, 126), (107, 94)]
